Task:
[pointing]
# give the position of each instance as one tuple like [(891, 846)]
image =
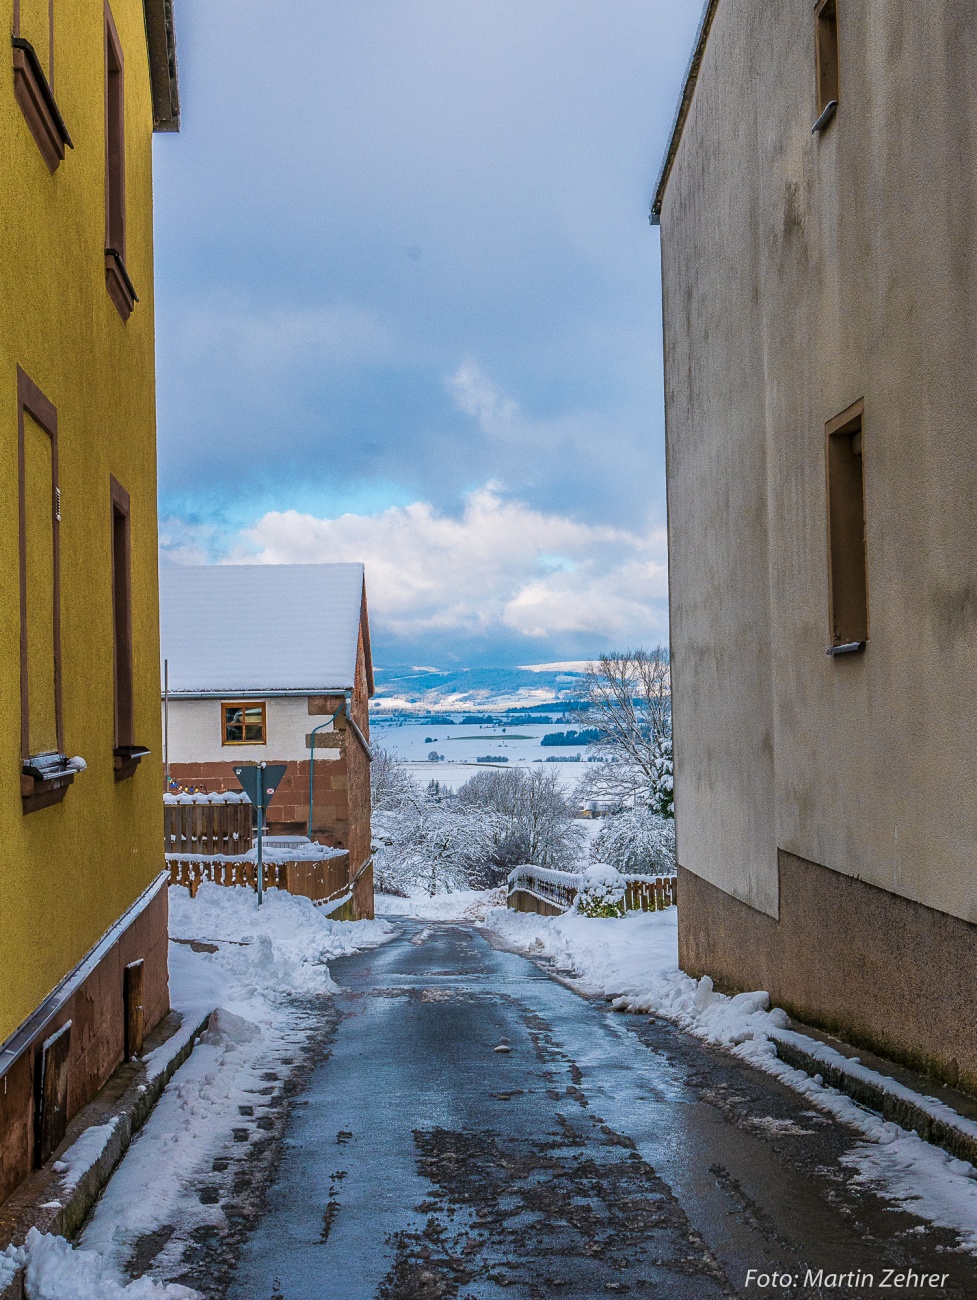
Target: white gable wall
[(195, 732)]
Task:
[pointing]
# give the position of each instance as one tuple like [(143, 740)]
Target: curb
[(933, 1120), (43, 1202)]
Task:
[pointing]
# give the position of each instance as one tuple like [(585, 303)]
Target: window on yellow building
[(243, 723), (117, 281), (121, 615), (33, 47), (40, 578)]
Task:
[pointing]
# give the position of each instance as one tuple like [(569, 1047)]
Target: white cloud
[(477, 396), (489, 572)]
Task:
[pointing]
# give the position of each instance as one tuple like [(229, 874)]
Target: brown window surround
[(34, 93), (126, 752), (45, 776), (847, 565), (243, 723), (117, 283), (826, 56)]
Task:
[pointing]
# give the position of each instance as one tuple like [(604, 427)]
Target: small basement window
[(243, 723), (847, 567), (826, 54)]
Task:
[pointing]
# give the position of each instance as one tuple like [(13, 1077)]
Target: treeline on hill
[(588, 736)]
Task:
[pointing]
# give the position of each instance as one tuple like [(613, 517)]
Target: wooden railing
[(207, 824), (540, 889)]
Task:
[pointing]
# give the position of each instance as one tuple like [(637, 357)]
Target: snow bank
[(56, 1271), (634, 962), (266, 965), (463, 905)]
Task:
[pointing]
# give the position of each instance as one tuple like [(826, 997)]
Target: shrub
[(602, 894)]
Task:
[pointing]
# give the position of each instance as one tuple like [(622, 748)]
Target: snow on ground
[(463, 905), (264, 961), (634, 962)]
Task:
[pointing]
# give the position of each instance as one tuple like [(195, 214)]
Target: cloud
[(477, 396), (488, 573)]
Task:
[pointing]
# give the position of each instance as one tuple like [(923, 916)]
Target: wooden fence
[(324, 880), (551, 893), (207, 824)]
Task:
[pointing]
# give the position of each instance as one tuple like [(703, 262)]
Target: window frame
[(846, 425), (117, 282), (122, 675), (34, 92), (827, 63), (244, 705), (47, 784)]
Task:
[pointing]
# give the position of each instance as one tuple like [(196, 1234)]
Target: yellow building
[(82, 904)]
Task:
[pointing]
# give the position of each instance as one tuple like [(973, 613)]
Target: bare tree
[(630, 704)]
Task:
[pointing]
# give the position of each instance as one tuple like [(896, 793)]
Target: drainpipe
[(329, 723)]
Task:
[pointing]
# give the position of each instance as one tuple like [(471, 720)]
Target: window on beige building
[(243, 723), (826, 49), (847, 568)]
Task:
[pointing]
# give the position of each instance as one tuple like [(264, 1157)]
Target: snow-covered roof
[(262, 628)]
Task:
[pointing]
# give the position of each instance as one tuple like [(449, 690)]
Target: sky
[(409, 313)]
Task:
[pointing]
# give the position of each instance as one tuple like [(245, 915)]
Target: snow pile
[(634, 962), (601, 892), (55, 1271), (463, 905), (267, 964)]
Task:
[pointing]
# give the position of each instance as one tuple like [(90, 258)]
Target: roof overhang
[(684, 104), (235, 693), (161, 42)]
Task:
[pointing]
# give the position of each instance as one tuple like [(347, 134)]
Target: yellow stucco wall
[(69, 871)]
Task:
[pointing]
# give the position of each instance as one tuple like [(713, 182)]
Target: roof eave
[(164, 83), (684, 104), (251, 693)]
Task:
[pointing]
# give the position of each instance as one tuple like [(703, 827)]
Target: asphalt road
[(601, 1154)]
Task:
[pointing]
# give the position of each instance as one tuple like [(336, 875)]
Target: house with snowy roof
[(271, 663)]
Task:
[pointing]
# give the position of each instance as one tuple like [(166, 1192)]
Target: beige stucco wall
[(195, 734), (802, 273)]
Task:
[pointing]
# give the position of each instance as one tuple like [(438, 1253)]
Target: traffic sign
[(259, 781)]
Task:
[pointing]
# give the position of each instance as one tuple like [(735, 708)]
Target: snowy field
[(463, 743), (634, 963)]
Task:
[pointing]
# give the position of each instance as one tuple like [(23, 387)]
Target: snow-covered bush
[(602, 893), (637, 842)]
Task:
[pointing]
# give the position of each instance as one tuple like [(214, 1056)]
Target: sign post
[(259, 781)]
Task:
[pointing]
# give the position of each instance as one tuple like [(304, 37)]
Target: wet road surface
[(601, 1154)]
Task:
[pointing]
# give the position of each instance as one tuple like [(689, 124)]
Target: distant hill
[(424, 691)]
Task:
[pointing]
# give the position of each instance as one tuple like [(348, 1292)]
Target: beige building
[(819, 272)]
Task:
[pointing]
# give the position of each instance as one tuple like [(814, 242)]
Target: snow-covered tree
[(531, 815), (630, 704), (662, 790), (637, 842)]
